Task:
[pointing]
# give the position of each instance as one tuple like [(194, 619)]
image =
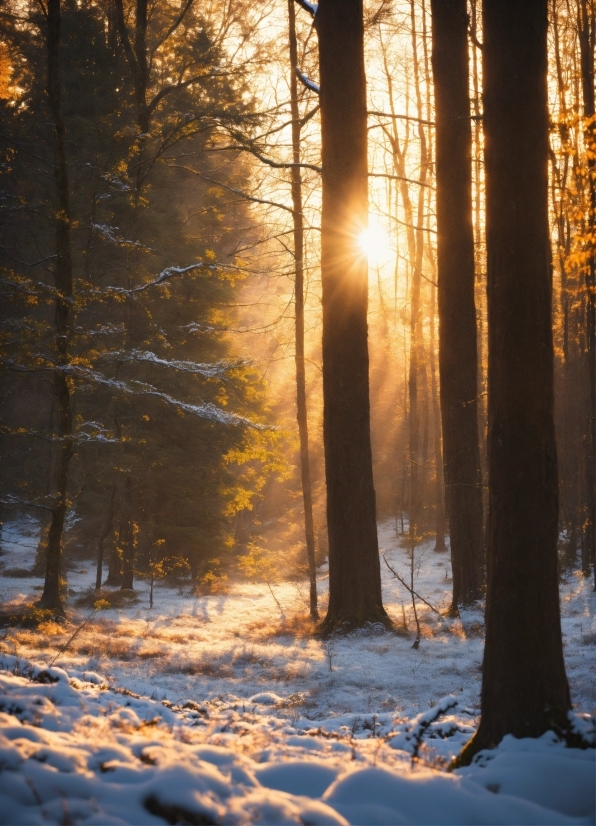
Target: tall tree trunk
[(301, 409), (126, 539), (524, 685), (416, 342), (354, 570), (440, 519), (440, 479), (51, 597), (457, 312), (114, 577), (104, 535), (587, 40), (479, 258)]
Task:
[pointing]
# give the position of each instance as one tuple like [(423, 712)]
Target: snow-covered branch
[(217, 370), (311, 8), (306, 81), (206, 410), (112, 235), (165, 275), (11, 499)]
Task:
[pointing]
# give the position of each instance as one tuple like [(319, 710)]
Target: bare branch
[(399, 178), (411, 590), (185, 8), (402, 117), (11, 499), (235, 191)]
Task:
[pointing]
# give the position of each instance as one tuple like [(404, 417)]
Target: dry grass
[(104, 647), (149, 653), (203, 666), (297, 626), (114, 599)]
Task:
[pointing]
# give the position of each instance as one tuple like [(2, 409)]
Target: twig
[(417, 640), (329, 653), (65, 646), (411, 590), (281, 610), (419, 729)]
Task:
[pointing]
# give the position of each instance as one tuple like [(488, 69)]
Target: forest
[(298, 411)]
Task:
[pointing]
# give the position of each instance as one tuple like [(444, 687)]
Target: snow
[(207, 410), (216, 709), (310, 84), (75, 751), (218, 369)]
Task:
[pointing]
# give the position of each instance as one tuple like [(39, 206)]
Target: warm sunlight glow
[(374, 243)]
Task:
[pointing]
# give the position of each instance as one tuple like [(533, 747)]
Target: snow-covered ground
[(266, 723)]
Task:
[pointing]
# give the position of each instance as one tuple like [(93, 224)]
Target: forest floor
[(264, 722)]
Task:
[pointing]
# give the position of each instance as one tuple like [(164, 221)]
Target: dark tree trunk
[(354, 569), (142, 67), (416, 366), (301, 409), (440, 478), (126, 540), (524, 685), (114, 577), (587, 40), (104, 535), (458, 363), (51, 597)]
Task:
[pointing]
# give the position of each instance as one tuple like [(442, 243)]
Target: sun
[(374, 243)]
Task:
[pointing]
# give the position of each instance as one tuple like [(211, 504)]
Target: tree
[(524, 685), (457, 313), (354, 570), (587, 40), (298, 222), (63, 278), (149, 366)]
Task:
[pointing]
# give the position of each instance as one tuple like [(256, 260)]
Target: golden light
[(374, 243)]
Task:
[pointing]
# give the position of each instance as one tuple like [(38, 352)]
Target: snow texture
[(73, 750), (219, 369), (211, 709)]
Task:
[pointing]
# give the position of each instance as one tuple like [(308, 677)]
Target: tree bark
[(416, 367), (524, 685), (457, 313), (63, 277), (126, 539), (438, 451), (104, 535), (301, 409), (587, 39), (114, 577), (354, 569)]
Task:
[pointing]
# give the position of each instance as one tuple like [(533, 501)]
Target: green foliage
[(160, 393)]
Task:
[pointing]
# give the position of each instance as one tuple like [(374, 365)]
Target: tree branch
[(311, 8), (402, 117), (185, 8), (234, 190), (307, 82), (121, 23), (411, 590), (11, 499)]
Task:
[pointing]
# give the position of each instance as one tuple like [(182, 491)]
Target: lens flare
[(374, 243)]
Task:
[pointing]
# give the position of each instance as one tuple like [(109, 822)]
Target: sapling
[(329, 653)]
